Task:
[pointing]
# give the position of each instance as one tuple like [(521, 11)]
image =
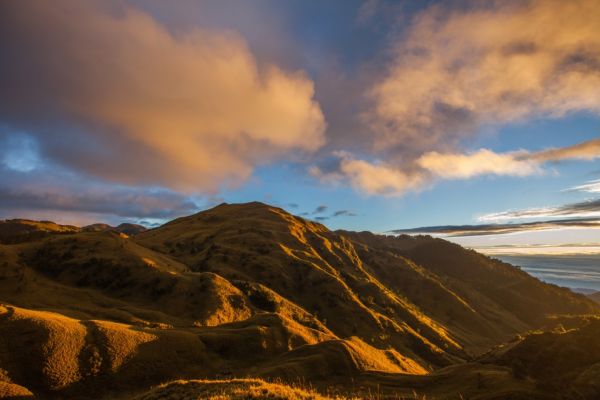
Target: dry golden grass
[(48, 352), (121, 342), (13, 391), (595, 297), (10, 390), (51, 338), (22, 225), (235, 389), (372, 359), (124, 270), (23, 230)]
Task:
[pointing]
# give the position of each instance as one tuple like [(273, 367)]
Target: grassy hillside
[(23, 230), (249, 290)]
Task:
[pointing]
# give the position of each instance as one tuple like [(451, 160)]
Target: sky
[(478, 121)]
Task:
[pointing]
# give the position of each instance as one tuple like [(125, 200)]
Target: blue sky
[(363, 115)]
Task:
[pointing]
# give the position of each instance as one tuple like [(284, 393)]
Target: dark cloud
[(58, 190), (585, 214), (573, 210), (320, 209), (344, 213), (149, 224), (499, 229), (322, 218), (292, 205)]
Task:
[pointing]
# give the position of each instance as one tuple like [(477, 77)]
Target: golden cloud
[(192, 109), (455, 71), (589, 150), (481, 162), (373, 178), (380, 178)]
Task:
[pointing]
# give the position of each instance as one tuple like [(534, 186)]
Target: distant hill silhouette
[(249, 290)]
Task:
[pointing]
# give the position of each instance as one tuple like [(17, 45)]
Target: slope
[(385, 291)]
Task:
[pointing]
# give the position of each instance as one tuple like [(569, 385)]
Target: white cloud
[(373, 178), (589, 187), (381, 178), (584, 209), (481, 162)]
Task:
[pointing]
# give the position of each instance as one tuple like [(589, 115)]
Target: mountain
[(126, 228), (249, 290), (23, 230), (561, 361), (14, 231)]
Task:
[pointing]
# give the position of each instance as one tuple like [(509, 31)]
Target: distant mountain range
[(249, 290), (14, 231)]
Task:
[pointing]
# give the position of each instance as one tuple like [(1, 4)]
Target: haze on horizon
[(367, 115)]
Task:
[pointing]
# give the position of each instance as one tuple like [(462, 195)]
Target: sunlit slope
[(22, 230), (50, 353), (309, 265), (152, 286), (385, 291)]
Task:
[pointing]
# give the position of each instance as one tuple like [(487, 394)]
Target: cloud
[(454, 72), (589, 150), (490, 63), (107, 90), (380, 178), (590, 208), (58, 192), (517, 163), (583, 214), (320, 209), (500, 229), (374, 178), (589, 187), (344, 213), (481, 162), (322, 218)]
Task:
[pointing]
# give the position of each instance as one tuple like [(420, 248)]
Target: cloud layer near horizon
[(108, 90), (590, 208), (40, 195), (501, 229)]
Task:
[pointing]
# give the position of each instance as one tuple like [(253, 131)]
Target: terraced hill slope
[(249, 290)]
